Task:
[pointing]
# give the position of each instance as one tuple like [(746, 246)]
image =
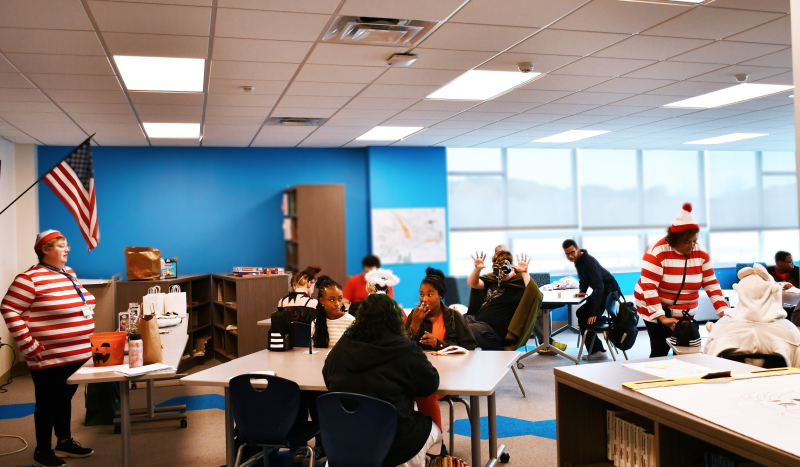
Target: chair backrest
[(347, 420), (451, 296), (302, 334), (770, 360), (745, 265), (264, 416), (541, 278)]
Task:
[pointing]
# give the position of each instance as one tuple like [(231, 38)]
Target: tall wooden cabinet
[(239, 303), (314, 226)]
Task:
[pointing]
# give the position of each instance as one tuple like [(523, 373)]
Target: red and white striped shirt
[(662, 274), (42, 308)]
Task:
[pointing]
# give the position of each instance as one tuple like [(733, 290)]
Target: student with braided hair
[(299, 300), (331, 319)]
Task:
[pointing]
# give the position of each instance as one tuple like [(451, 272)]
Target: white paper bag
[(176, 301), (153, 301)]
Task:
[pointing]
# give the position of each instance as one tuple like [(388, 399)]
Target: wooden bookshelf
[(198, 308), (243, 301), (314, 215)]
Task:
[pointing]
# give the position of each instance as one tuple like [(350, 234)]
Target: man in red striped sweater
[(672, 273), (49, 314)]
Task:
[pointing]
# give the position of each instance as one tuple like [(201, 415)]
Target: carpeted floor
[(525, 425)]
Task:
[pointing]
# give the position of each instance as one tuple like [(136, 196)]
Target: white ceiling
[(609, 65)]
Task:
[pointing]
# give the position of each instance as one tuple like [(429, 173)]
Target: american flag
[(73, 182)]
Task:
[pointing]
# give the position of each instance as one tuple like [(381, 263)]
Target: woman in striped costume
[(49, 314), (673, 272)]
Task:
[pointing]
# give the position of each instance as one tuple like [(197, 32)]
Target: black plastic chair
[(603, 327), (451, 296), (770, 360), (302, 334), (348, 420), (266, 417)]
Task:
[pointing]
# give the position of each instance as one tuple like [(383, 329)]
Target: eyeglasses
[(571, 253), (64, 247)]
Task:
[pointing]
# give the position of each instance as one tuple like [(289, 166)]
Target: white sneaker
[(601, 355)]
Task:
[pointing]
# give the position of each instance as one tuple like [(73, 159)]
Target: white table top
[(567, 297), (475, 374), (174, 344)]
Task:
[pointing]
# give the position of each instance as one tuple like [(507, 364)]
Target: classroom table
[(477, 374), (174, 344), (567, 298), (550, 302)]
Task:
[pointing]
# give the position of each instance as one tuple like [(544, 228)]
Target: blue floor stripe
[(508, 427), (199, 402), (16, 410)]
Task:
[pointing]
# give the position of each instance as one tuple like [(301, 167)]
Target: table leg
[(547, 334), (492, 419), (230, 448), (475, 428), (125, 422), (569, 324), (151, 398)]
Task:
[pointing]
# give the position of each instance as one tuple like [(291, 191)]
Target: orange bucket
[(108, 348)]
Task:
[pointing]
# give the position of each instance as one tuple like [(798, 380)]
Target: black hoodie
[(393, 369)]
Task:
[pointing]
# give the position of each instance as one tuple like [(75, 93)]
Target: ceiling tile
[(561, 109), (77, 82), (646, 100), (560, 42), (46, 41), (780, 6), (326, 102), (777, 59), (581, 119), (474, 115), (507, 125), (774, 32), (237, 111), (253, 24), (32, 107), (711, 23), (362, 102), (253, 70), (156, 45), (728, 53), (536, 13), (93, 108), (630, 85), (783, 78), (254, 50), (594, 66), (407, 9), (243, 100), (500, 106), (356, 55), (690, 88), (618, 17), (432, 104), (326, 7), (227, 139), (673, 70), (592, 98), (86, 119), (633, 119), (20, 117), (455, 36), (727, 74), (233, 120), (350, 114), (459, 124), (16, 136), (418, 76), (424, 115), (398, 91), (324, 89), (618, 110), (189, 110), (278, 141), (531, 119), (60, 64), (340, 73), (532, 95), (560, 82), (206, 3), (14, 80), (99, 97), (450, 59), (542, 63), (651, 47), (234, 86), (45, 14), (151, 18), (305, 112), (167, 98)]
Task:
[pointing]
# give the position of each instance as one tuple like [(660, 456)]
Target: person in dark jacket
[(591, 274), (784, 270), (375, 358)]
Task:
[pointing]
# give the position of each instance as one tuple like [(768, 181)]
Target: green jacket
[(524, 319)]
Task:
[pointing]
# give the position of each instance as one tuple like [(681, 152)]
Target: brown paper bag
[(151, 339), (142, 263)]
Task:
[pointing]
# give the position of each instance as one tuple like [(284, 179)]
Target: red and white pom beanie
[(45, 237), (684, 220)]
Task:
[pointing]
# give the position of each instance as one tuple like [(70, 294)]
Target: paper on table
[(675, 369), (89, 369), (144, 370)]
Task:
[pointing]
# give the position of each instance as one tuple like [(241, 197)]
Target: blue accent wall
[(406, 177), (213, 208)]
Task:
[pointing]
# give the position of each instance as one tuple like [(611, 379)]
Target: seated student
[(434, 326), (355, 289), (784, 271), (378, 281), (299, 301), (375, 358), (758, 324), (332, 320), (493, 302)]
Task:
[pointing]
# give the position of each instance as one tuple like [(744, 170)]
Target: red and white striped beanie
[(684, 220), (45, 237)]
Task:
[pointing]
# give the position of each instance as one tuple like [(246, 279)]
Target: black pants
[(53, 403), (583, 314), (658, 334), (485, 336), (308, 407)]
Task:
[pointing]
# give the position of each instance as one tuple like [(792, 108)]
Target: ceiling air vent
[(382, 31), (295, 121)]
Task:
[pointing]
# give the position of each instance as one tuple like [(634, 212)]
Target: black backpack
[(623, 325), (281, 331)]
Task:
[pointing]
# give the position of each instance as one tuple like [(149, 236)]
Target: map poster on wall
[(409, 235)]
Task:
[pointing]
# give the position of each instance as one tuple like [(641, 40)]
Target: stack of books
[(629, 443), (240, 271)]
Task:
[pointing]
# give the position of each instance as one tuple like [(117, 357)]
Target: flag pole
[(40, 178)]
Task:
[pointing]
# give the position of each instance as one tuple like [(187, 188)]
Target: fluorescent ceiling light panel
[(727, 138), (731, 95), (161, 73), (389, 133), (480, 85), (172, 130), (570, 136)]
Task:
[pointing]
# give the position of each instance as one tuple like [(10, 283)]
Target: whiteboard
[(764, 409)]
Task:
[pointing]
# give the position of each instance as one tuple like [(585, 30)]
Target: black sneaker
[(72, 448), (47, 458)]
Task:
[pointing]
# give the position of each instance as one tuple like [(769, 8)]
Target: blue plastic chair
[(266, 417), (302, 334), (348, 420), (745, 265)]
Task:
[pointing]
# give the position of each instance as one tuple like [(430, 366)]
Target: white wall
[(27, 206)]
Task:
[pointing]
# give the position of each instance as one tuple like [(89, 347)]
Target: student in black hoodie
[(375, 358)]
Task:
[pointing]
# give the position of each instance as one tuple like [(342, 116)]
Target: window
[(541, 191), (732, 191), (671, 178), (481, 201), (733, 247), (779, 188), (545, 253), (463, 246), (474, 160), (620, 252), (608, 188), (780, 240)]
